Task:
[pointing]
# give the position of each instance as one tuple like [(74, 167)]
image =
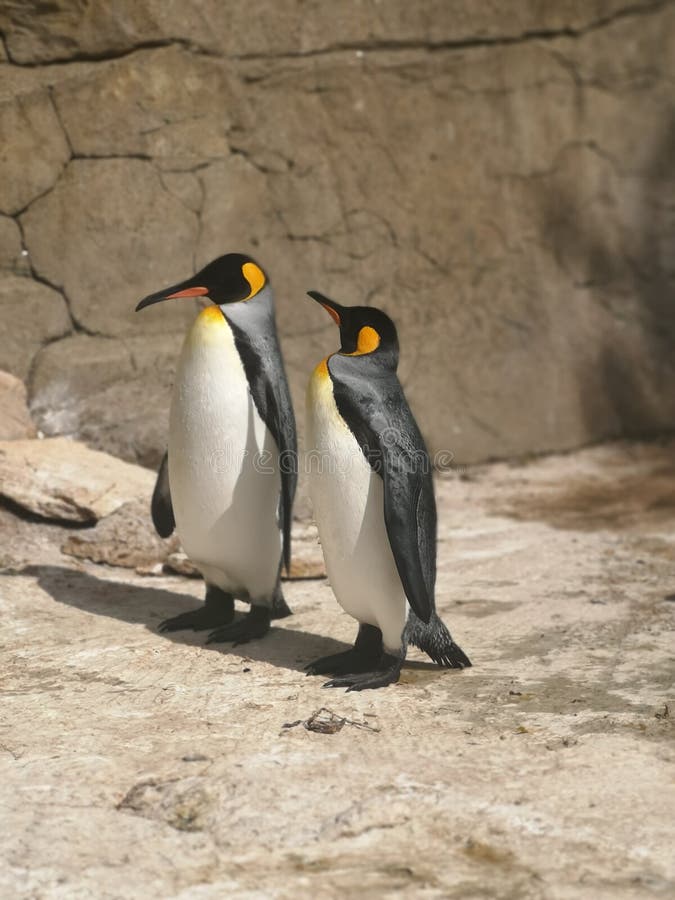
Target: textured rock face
[(32, 315), (499, 177)]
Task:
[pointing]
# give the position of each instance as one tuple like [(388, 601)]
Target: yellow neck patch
[(321, 371), (209, 327), (211, 315), (367, 341), (255, 277)]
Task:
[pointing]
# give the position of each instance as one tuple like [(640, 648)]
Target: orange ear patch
[(367, 341), (255, 278)]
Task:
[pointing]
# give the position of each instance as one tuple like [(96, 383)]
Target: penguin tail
[(434, 639)]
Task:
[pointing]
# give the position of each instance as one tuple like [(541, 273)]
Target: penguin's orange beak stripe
[(189, 292), (333, 313)]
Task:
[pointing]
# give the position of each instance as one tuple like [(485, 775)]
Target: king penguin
[(373, 497), (228, 479)]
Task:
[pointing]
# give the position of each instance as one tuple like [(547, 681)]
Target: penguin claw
[(364, 681)]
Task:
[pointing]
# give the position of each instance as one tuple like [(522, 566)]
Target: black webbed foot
[(340, 663), (253, 625), (362, 657), (218, 609), (387, 672)]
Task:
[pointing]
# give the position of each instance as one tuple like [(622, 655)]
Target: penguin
[(228, 479), (372, 491)]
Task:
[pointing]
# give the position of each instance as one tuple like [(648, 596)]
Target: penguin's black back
[(370, 399)]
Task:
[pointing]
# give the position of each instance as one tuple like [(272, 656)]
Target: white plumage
[(223, 466), (348, 501)]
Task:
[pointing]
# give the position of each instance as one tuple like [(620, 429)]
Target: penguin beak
[(332, 308), (184, 289)]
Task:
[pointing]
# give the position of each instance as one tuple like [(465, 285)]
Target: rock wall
[(499, 176)]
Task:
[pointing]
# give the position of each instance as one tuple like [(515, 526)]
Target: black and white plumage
[(372, 491), (228, 480)]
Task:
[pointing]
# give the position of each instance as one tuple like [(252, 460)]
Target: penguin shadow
[(289, 648)]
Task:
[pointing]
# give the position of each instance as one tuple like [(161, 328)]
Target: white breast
[(348, 501), (223, 465)]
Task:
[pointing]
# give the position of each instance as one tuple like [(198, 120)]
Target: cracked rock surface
[(499, 177), (139, 765)]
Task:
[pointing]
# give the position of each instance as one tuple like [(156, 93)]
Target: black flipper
[(371, 401), (255, 336), (161, 508)]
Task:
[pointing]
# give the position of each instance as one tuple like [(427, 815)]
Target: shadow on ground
[(289, 648)]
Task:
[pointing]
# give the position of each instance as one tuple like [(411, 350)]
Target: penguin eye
[(254, 277)]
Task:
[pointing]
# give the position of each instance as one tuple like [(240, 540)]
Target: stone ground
[(136, 764)]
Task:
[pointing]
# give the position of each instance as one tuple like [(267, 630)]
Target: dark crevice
[(57, 113), (3, 42), (250, 159), (544, 34), (191, 170), (77, 327), (26, 515), (145, 157), (19, 212), (372, 46), (108, 56)]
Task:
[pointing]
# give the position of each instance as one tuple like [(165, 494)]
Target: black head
[(364, 330), (228, 279)]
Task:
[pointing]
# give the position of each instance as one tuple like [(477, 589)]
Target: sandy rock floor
[(140, 765)]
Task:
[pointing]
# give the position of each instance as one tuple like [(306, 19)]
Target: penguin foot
[(350, 661), (254, 624), (218, 609), (364, 656), (388, 673)]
